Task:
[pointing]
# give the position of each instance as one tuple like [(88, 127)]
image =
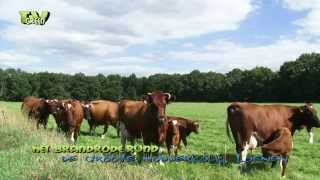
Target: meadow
[(18, 135)]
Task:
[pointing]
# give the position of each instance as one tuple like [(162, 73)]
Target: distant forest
[(296, 81)]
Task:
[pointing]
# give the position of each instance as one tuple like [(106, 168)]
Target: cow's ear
[(309, 104), (147, 98), (303, 109)]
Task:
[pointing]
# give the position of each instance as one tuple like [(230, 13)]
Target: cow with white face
[(71, 116)]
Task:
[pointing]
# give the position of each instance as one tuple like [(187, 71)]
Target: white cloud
[(223, 56), (11, 58), (101, 31), (310, 24)]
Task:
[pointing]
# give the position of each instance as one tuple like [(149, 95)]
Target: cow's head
[(53, 106), (309, 115), (193, 127), (86, 106), (158, 101)]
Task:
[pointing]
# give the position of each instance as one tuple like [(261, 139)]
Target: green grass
[(18, 135)]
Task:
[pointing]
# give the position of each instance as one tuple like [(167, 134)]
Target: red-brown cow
[(101, 112), (37, 109), (69, 116), (246, 119), (179, 129), (280, 145), (143, 118)]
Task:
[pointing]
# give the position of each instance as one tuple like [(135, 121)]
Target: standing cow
[(69, 115), (101, 112), (144, 118), (178, 130), (246, 119), (37, 109)]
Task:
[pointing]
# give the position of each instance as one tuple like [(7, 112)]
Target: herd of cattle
[(251, 125), (144, 119)]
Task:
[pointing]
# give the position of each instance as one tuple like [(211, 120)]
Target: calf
[(184, 126), (280, 144)]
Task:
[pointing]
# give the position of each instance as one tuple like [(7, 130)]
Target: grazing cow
[(37, 109), (246, 119), (179, 129), (280, 144), (101, 112), (144, 118)]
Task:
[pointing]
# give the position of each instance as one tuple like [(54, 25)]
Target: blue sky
[(151, 36)]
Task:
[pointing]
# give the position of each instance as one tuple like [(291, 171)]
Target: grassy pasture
[(17, 135)]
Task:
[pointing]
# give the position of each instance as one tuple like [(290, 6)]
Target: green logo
[(33, 17)]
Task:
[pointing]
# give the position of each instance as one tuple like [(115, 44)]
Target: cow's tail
[(228, 128), (232, 109)]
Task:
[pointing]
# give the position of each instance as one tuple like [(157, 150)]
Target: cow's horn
[(169, 95)]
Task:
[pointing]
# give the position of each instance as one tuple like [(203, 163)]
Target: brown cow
[(101, 112), (246, 119), (57, 111), (144, 118), (279, 145), (172, 136), (37, 109), (184, 127), (70, 115)]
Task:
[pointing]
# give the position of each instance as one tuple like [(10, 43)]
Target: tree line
[(295, 81)]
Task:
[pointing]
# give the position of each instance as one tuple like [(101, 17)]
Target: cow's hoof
[(243, 167), (161, 163)]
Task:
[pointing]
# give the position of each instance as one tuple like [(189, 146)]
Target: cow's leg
[(118, 128), (124, 134), (94, 126), (309, 129), (104, 131), (123, 141), (45, 123), (38, 124), (179, 143), (249, 143), (168, 148), (72, 137), (118, 132), (92, 129), (184, 140), (283, 164)]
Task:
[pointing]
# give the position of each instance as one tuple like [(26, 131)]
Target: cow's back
[(263, 119), (105, 111)]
